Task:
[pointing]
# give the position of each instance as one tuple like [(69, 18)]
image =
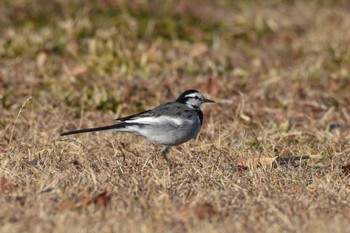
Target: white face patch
[(195, 100)]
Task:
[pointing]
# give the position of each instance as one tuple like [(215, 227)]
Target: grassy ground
[(279, 71)]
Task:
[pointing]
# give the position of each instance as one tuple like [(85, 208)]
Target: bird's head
[(193, 99)]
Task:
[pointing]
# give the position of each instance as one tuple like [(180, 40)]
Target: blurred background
[(103, 53)]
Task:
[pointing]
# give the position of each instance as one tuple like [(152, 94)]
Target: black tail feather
[(109, 127)]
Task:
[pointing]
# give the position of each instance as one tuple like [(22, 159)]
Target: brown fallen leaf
[(211, 86), (242, 168), (41, 60), (346, 169), (79, 69), (67, 206), (204, 210), (6, 186), (101, 200), (198, 49), (199, 211)]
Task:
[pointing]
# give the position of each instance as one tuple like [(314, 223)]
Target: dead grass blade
[(256, 162), (292, 160), (244, 163), (18, 114)]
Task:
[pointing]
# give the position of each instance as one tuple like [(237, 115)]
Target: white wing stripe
[(156, 120)]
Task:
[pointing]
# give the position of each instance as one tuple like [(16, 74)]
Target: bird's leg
[(164, 151)]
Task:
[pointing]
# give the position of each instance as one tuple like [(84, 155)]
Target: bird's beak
[(208, 101)]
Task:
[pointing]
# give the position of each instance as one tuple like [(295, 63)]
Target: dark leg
[(164, 151)]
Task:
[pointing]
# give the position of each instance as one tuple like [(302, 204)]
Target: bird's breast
[(172, 132)]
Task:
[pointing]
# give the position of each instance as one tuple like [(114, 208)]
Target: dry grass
[(280, 74)]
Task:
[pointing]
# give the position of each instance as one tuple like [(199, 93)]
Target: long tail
[(109, 127)]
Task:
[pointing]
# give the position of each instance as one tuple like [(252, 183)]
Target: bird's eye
[(196, 97)]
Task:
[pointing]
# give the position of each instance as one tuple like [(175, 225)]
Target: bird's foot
[(164, 152)]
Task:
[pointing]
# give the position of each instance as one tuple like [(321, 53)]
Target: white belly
[(169, 134), (175, 135)]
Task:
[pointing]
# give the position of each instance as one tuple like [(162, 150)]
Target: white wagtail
[(169, 124)]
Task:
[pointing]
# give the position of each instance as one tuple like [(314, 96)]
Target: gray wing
[(162, 109), (167, 109), (174, 109)]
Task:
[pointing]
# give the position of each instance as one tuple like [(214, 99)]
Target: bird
[(169, 124)]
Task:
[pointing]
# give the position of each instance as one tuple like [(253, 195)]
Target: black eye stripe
[(194, 97)]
